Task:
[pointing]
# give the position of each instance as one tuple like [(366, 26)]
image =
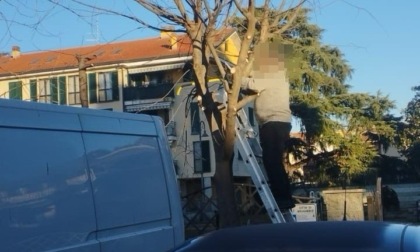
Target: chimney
[(169, 35), (15, 52), (173, 42)]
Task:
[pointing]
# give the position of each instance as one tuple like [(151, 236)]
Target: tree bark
[(83, 81)]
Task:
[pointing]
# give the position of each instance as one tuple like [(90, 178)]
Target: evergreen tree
[(409, 132), (341, 129)]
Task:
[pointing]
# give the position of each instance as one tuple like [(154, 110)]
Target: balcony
[(148, 92)]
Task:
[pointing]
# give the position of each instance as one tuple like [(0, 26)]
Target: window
[(107, 86), (149, 79), (52, 90), (74, 90), (62, 90), (33, 90), (195, 118), (93, 98), (103, 87), (15, 90), (45, 90), (137, 164), (201, 156)]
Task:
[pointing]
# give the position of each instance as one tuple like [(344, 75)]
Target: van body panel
[(44, 186), (122, 164), (177, 219), (152, 239), (76, 179), (29, 118), (117, 125)]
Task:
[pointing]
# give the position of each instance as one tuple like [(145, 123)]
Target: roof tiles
[(100, 54)]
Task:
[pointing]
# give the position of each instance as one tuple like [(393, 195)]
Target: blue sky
[(380, 39)]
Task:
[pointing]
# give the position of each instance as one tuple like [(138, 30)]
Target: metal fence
[(201, 212)]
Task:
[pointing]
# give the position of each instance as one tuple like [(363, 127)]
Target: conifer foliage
[(340, 129)]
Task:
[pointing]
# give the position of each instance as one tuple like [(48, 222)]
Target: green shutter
[(33, 90), (63, 90), (115, 90), (93, 97), (15, 90), (54, 90)]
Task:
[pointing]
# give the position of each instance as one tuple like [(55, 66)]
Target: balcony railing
[(150, 92)]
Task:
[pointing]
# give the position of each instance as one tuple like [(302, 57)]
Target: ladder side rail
[(249, 134), (258, 177)]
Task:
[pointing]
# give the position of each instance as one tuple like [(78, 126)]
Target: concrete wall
[(336, 200)]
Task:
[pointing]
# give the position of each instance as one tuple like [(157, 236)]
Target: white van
[(74, 179)]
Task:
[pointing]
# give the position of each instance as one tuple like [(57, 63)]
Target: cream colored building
[(148, 76)]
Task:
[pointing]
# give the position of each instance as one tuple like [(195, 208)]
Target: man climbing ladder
[(244, 136), (268, 79)]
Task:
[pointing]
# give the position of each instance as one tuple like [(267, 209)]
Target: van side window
[(128, 179), (38, 168)]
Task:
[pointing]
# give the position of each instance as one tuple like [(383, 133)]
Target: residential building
[(148, 76)]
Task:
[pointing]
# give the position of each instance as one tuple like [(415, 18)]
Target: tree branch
[(245, 100)]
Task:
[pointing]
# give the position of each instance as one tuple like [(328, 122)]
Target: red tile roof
[(101, 54)]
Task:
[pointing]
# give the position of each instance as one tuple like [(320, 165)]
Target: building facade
[(150, 76)]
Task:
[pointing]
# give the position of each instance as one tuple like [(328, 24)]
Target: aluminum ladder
[(245, 135)]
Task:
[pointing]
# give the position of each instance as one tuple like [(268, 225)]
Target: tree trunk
[(223, 179), (83, 81)]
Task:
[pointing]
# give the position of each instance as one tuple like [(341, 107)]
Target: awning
[(155, 68), (148, 106)]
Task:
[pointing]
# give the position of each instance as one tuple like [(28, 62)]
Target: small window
[(74, 90), (52, 90), (44, 86), (201, 156), (33, 90), (15, 90), (107, 86)]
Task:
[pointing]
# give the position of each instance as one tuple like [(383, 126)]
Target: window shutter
[(33, 90), (54, 90), (115, 90), (205, 154), (63, 90), (15, 90), (93, 97)]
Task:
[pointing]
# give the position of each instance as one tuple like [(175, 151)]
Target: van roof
[(24, 114)]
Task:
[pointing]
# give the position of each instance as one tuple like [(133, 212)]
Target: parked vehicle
[(75, 179), (342, 236)]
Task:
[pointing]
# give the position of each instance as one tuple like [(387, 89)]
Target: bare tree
[(203, 22)]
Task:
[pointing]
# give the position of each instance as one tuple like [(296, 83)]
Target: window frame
[(201, 153), (15, 90), (107, 86), (73, 88)]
